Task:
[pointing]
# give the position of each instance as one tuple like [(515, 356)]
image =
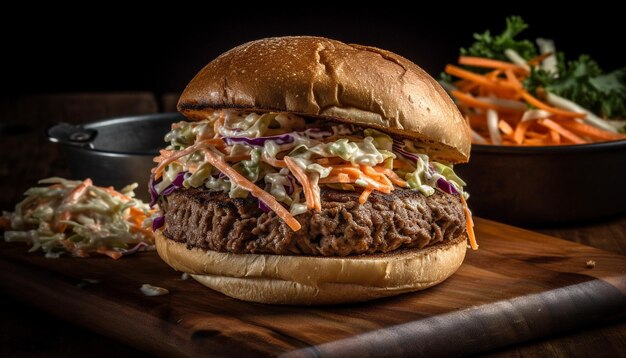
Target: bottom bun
[(309, 280)]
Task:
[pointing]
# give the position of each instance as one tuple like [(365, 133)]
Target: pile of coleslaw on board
[(79, 218)]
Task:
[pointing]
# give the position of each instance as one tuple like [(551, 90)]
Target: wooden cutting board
[(519, 285)]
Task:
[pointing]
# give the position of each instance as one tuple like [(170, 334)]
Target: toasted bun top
[(314, 76)]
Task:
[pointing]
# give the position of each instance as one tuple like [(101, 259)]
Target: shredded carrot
[(536, 135), (480, 79), (364, 195), (71, 198), (379, 177), (468, 86), (375, 180), (462, 83), (539, 104), (555, 137), (477, 121), (257, 192), (520, 131), (471, 101), (536, 141), (304, 181), (550, 124), (276, 163), (317, 199), (513, 80), (539, 59), (338, 178), (589, 131), (159, 159), (113, 192), (136, 214), (489, 63), (493, 75), (353, 172), (377, 185), (392, 176), (469, 225), (505, 127), (141, 230), (164, 154), (110, 253), (400, 164), (383, 177), (191, 149), (482, 91)]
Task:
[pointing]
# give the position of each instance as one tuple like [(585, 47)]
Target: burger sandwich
[(310, 171)]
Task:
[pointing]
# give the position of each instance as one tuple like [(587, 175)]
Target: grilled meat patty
[(405, 218)]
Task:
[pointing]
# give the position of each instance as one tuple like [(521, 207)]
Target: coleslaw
[(79, 218), (283, 160)]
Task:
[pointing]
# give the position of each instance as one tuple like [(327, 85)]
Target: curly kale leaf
[(583, 82), (490, 46)]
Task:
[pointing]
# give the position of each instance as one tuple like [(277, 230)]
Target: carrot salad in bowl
[(513, 93)]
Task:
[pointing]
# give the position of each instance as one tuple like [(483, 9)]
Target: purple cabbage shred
[(157, 223), (176, 184), (264, 207), (446, 186)]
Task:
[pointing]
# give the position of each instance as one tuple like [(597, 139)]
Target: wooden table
[(27, 156)]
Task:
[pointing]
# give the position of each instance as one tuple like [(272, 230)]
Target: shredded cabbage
[(199, 177), (322, 171), (449, 174), (250, 168), (261, 140), (381, 140), (277, 186), (416, 178), (79, 218), (363, 153)]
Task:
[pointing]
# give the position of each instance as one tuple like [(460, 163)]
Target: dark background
[(121, 51)]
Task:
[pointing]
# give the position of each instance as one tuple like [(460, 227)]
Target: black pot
[(534, 186), (114, 152)]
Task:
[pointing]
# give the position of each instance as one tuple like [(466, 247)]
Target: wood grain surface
[(520, 285)]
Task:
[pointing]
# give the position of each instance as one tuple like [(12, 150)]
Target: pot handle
[(71, 134)]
